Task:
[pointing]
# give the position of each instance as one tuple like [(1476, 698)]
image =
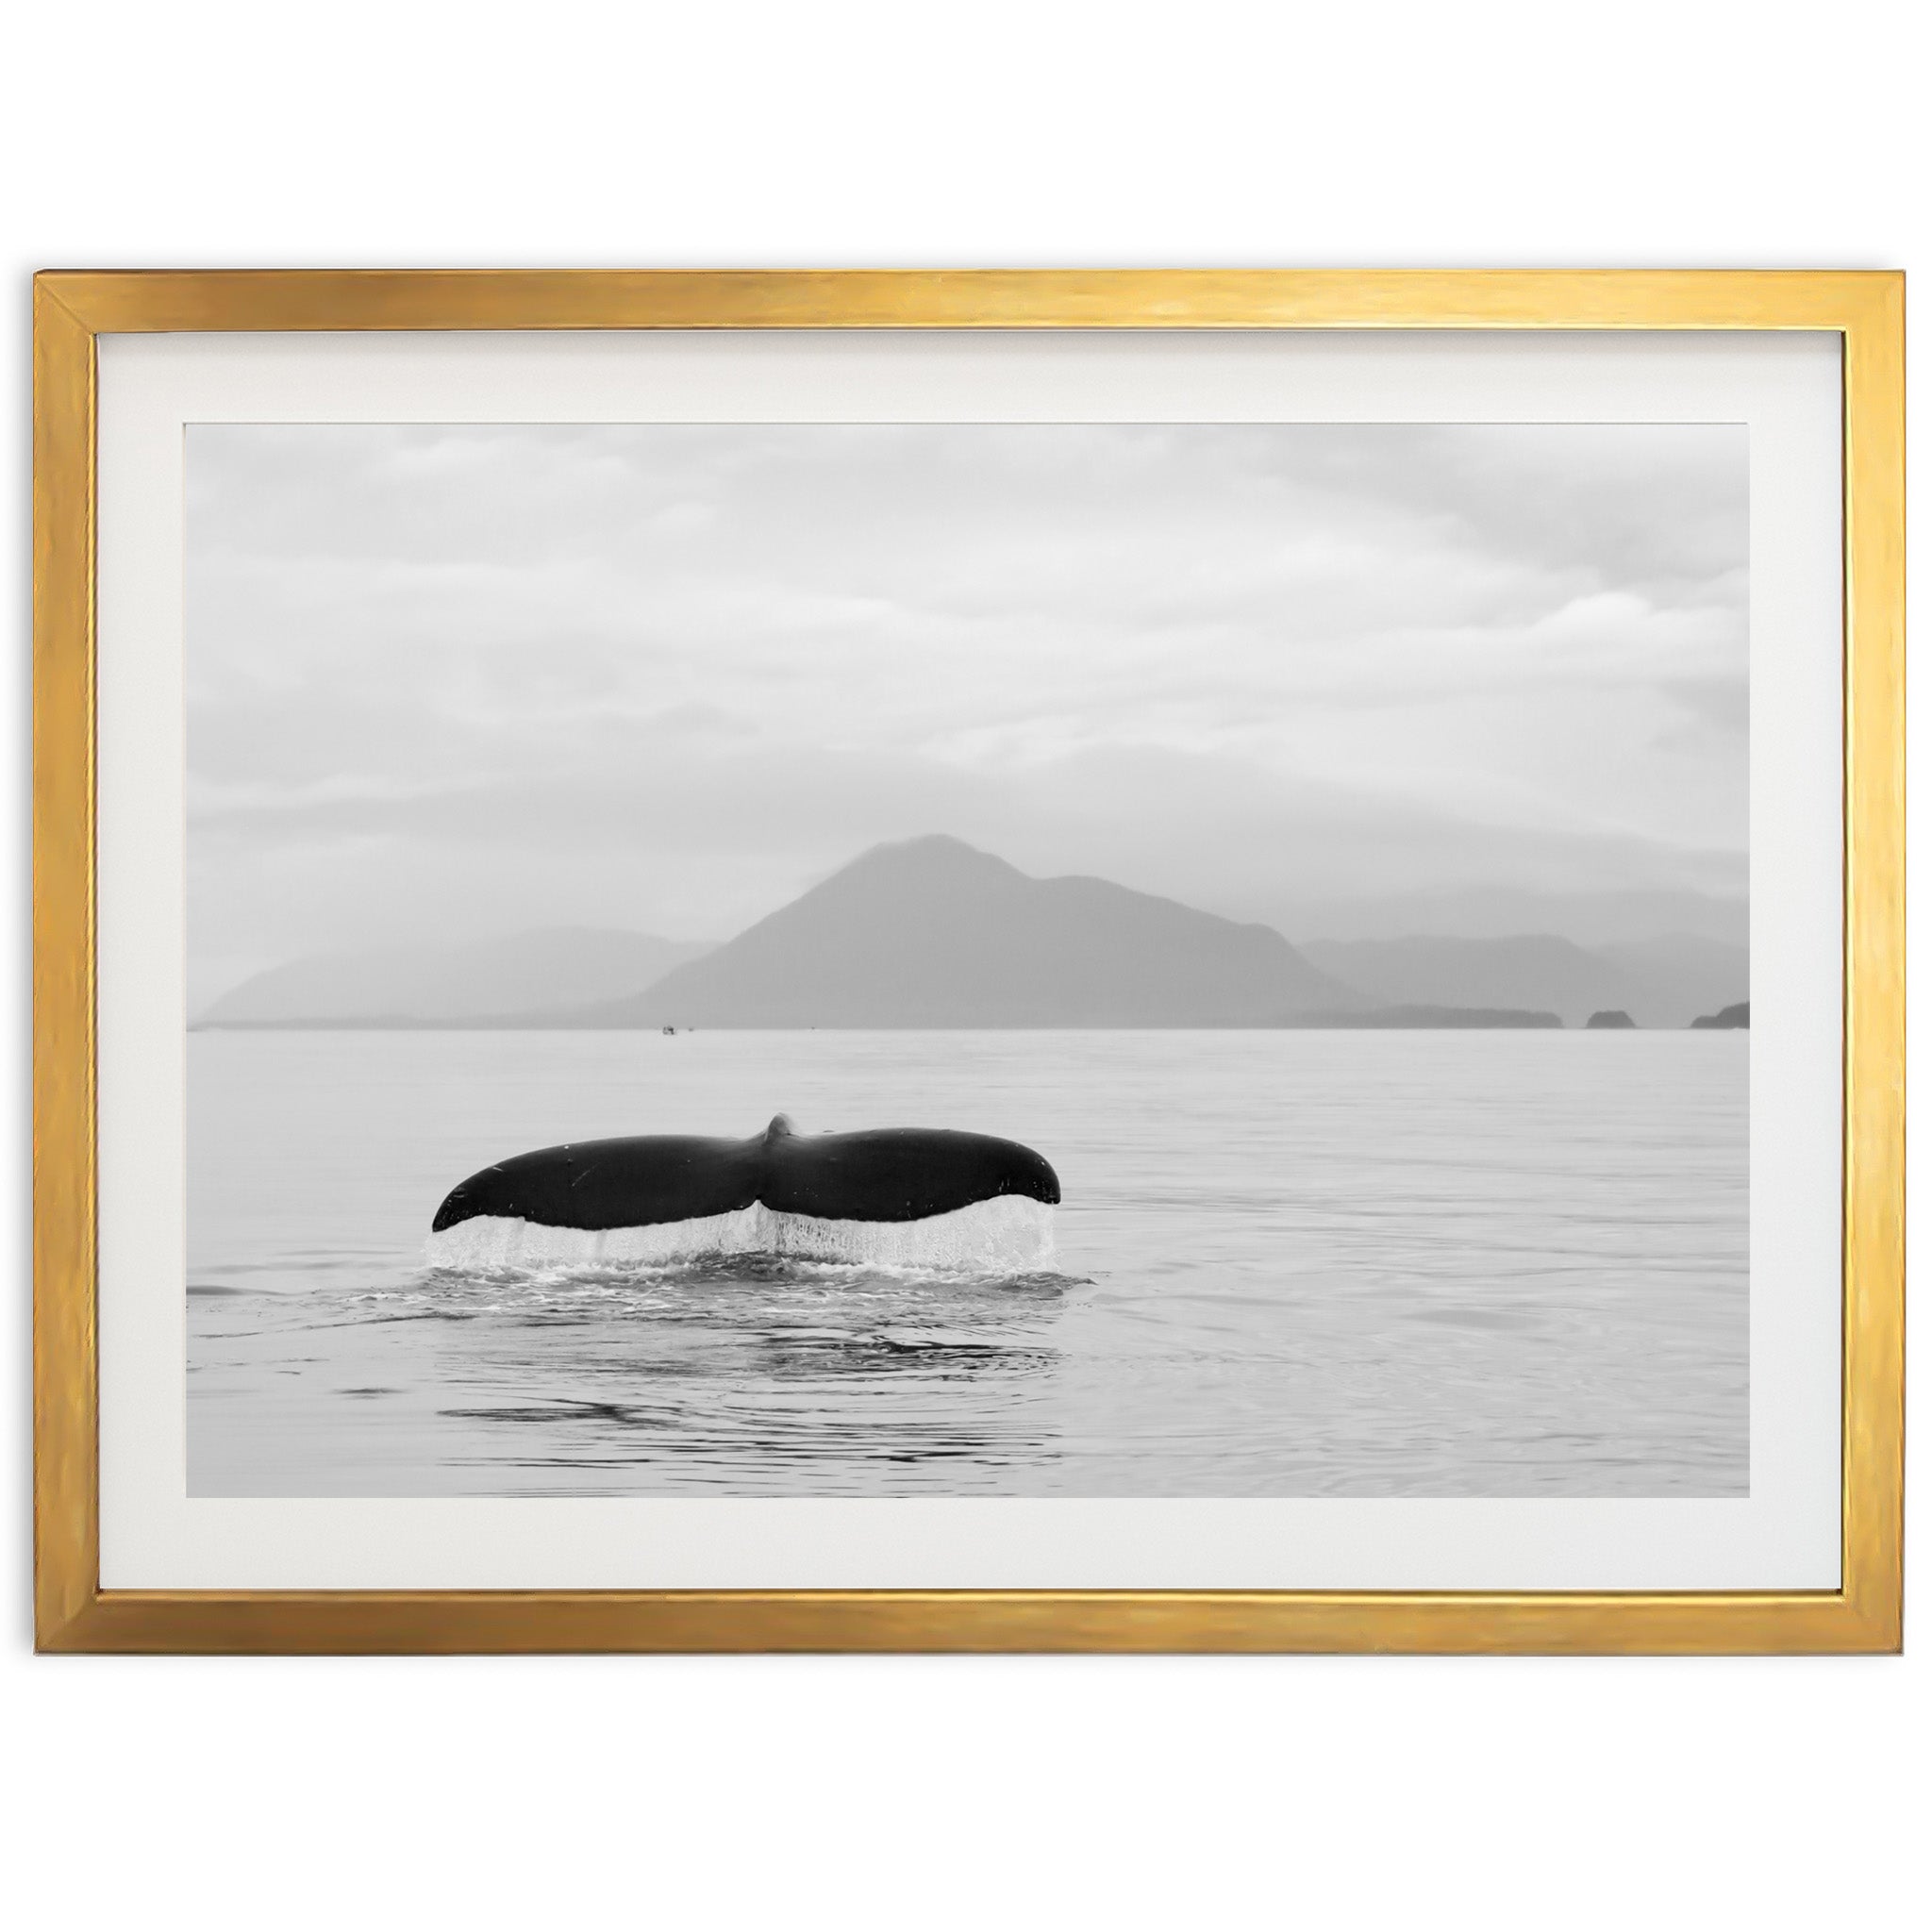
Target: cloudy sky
[(450, 681)]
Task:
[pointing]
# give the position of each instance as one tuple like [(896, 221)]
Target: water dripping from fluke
[(891, 1198)]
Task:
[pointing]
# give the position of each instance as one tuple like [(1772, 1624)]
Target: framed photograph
[(984, 961)]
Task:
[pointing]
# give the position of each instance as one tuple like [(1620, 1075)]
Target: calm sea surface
[(1291, 1264)]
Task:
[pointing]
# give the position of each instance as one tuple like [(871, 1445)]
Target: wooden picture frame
[(73, 310)]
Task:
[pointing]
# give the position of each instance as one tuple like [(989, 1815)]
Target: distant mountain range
[(931, 933)]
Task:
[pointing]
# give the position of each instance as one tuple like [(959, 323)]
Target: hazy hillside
[(1595, 921), (1537, 972), (1661, 982), (932, 933), (558, 966), (1692, 975)]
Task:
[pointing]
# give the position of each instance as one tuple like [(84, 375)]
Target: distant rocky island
[(1738, 1015), (932, 933), (1611, 1021)]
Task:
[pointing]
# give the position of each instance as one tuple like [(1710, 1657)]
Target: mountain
[(443, 985), (933, 933), (1537, 972), (1691, 972)]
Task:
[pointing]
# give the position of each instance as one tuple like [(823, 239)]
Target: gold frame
[(74, 1613)]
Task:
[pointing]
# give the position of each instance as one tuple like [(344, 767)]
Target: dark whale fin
[(887, 1173), (899, 1174), (624, 1183)]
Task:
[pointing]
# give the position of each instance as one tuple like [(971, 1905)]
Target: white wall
[(1355, 1793)]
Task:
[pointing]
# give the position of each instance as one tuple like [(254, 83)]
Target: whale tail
[(899, 1196)]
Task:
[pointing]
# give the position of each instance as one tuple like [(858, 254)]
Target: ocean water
[(1287, 1264)]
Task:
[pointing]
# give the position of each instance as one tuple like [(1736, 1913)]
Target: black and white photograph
[(1054, 959)]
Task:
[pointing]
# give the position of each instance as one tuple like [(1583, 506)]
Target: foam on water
[(1010, 1234)]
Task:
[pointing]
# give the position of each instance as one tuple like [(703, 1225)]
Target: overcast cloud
[(448, 681)]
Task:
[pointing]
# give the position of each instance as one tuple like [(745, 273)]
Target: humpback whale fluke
[(902, 1195)]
